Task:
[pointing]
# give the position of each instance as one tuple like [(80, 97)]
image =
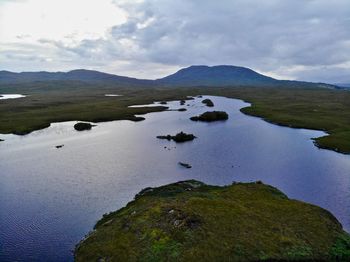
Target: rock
[(167, 137), (163, 103), (177, 223), (185, 165), (81, 126), (182, 102), (1, 140), (208, 102), (59, 146), (211, 116), (178, 138), (182, 109)]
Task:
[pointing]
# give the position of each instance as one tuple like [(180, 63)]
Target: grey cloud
[(265, 35), (268, 36)]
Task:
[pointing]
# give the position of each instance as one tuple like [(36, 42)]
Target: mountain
[(346, 85), (216, 76), (213, 76)]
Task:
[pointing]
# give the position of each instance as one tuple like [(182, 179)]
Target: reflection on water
[(50, 198), (10, 96), (112, 95)]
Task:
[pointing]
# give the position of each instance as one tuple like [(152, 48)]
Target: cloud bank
[(306, 40)]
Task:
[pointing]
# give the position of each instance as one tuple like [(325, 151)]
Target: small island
[(186, 165), (208, 102), (189, 221), (211, 116), (81, 126), (178, 138)]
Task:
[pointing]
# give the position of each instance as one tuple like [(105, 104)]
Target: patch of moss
[(190, 220), (340, 251)]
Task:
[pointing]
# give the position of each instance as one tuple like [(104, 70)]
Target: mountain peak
[(220, 75)]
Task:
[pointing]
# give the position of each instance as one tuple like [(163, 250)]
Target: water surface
[(50, 198), (112, 95), (10, 96)]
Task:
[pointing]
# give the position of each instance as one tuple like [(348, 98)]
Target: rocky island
[(208, 102), (81, 126), (211, 116), (186, 165), (178, 138), (189, 220)]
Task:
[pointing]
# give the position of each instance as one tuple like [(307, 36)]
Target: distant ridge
[(74, 75), (346, 85), (198, 75)]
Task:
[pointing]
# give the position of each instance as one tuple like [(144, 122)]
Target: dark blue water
[(50, 198)]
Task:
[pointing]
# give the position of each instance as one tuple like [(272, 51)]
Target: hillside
[(191, 221), (74, 75)]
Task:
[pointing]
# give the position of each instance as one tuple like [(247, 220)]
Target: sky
[(287, 39)]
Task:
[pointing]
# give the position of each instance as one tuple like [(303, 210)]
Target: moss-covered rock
[(208, 102), (81, 126), (179, 138), (186, 165), (191, 221), (211, 116)]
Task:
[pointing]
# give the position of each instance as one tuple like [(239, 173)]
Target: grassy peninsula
[(189, 221)]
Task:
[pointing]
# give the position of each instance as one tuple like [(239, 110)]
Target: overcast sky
[(287, 39)]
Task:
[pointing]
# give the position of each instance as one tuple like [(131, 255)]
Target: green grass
[(319, 109), (190, 221)]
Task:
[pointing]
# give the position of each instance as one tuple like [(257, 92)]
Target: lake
[(10, 96), (50, 198)]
